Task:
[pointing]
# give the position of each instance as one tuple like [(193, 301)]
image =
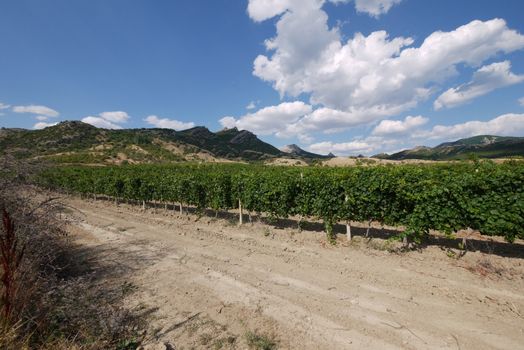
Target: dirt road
[(215, 285)]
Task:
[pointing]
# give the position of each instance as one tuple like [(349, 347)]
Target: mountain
[(296, 151), (482, 146), (78, 142)]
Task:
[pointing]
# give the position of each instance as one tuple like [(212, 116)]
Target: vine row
[(483, 196)]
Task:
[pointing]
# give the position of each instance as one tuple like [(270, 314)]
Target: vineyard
[(484, 196)]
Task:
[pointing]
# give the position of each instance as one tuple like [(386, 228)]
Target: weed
[(205, 338), (11, 256), (486, 268), (221, 342), (383, 245), (50, 296), (454, 255), (260, 342), (128, 288)]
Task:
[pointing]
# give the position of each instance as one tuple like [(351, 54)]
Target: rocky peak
[(242, 137), (293, 149)]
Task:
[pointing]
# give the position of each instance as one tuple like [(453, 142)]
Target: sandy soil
[(346, 161), (286, 161), (211, 283)]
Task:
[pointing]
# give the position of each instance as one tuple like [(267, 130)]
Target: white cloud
[(504, 125), (305, 139), (41, 118), (100, 123), (42, 110), (251, 105), (366, 78), (261, 10), (369, 145), (310, 58), (42, 125), (4, 106), (168, 123), (413, 134), (331, 120), (521, 101), (299, 119), (116, 116), (399, 127), (108, 120), (485, 80), (271, 120), (345, 148), (375, 8)]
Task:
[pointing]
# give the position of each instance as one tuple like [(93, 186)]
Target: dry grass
[(55, 295), (486, 268), (260, 341)]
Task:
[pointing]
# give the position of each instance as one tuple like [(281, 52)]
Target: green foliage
[(80, 143), (473, 148), (483, 195)]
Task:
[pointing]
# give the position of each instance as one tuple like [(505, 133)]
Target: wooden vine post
[(240, 212), (348, 224), (333, 194)]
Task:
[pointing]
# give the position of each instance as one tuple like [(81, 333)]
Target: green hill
[(482, 146), (78, 142)]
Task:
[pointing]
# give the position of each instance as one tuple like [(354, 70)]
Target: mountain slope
[(78, 142), (483, 146), (294, 150)]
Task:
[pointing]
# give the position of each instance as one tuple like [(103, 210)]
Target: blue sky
[(350, 77)]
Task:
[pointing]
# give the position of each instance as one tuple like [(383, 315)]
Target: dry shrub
[(11, 254), (55, 294), (486, 268)]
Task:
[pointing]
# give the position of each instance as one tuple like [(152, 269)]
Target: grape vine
[(483, 196)]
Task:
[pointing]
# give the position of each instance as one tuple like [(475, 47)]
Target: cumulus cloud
[(521, 101), (485, 80), (168, 123), (4, 106), (399, 127), (116, 116), (341, 148), (261, 10), (369, 145), (35, 109), (375, 8), (372, 70), (365, 78), (42, 125), (413, 134), (100, 123), (277, 120), (505, 125), (107, 120)]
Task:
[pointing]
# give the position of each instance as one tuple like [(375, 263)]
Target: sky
[(343, 76)]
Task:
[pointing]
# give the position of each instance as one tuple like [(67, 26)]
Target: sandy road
[(213, 282)]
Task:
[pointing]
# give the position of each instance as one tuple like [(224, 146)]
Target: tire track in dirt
[(308, 296)]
